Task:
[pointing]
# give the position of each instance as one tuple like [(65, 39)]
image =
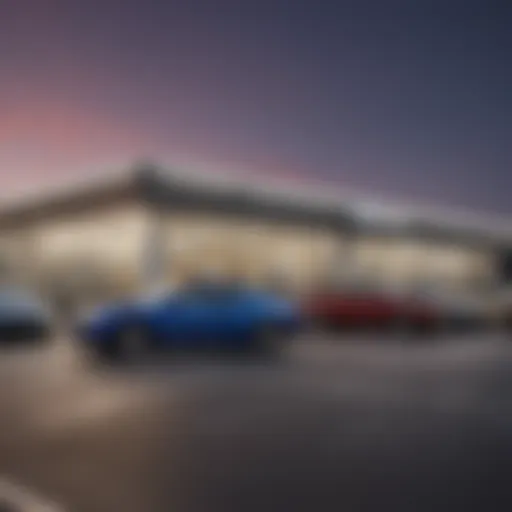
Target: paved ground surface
[(356, 425)]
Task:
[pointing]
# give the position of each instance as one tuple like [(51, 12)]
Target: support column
[(153, 272), (345, 261)]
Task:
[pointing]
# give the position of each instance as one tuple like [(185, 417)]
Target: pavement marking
[(17, 498)]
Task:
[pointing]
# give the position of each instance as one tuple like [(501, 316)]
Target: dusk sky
[(402, 98)]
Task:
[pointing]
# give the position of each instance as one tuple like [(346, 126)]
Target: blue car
[(198, 317)]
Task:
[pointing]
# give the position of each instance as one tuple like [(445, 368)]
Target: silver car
[(23, 316)]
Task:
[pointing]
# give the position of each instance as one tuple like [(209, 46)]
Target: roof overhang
[(252, 196)]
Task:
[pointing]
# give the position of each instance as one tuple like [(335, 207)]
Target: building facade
[(150, 227)]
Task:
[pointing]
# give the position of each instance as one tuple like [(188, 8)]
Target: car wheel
[(401, 326), (128, 345), (104, 352), (40, 333), (411, 329), (132, 344)]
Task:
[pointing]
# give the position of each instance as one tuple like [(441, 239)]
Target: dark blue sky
[(407, 98)]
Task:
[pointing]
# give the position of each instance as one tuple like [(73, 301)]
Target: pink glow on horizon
[(47, 139), (49, 133)]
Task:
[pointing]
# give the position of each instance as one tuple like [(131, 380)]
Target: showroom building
[(149, 226)]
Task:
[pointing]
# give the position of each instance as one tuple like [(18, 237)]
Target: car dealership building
[(152, 226)]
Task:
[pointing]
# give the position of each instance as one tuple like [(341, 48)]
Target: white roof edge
[(42, 192), (378, 210)]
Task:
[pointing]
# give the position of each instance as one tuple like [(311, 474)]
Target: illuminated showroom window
[(247, 248), (415, 262), (110, 240)]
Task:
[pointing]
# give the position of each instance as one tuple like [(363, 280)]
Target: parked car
[(365, 307), (23, 316), (462, 311), (502, 306), (199, 316)]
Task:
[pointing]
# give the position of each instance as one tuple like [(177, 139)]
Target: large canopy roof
[(304, 200)]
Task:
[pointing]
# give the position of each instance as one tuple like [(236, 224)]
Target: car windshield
[(209, 291), (16, 298)]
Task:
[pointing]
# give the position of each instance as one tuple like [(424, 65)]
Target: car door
[(199, 318), (217, 312), (217, 316), (182, 320), (227, 317)]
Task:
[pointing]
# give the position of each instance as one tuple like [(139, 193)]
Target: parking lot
[(356, 414)]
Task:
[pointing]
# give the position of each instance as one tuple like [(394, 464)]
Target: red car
[(370, 309)]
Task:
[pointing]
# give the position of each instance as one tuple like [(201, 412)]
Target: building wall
[(310, 255), (410, 261), (114, 251), (247, 248), (92, 253)]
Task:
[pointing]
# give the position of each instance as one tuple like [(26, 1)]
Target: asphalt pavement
[(336, 424)]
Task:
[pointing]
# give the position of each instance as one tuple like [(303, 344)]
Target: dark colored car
[(370, 308), (23, 316)]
